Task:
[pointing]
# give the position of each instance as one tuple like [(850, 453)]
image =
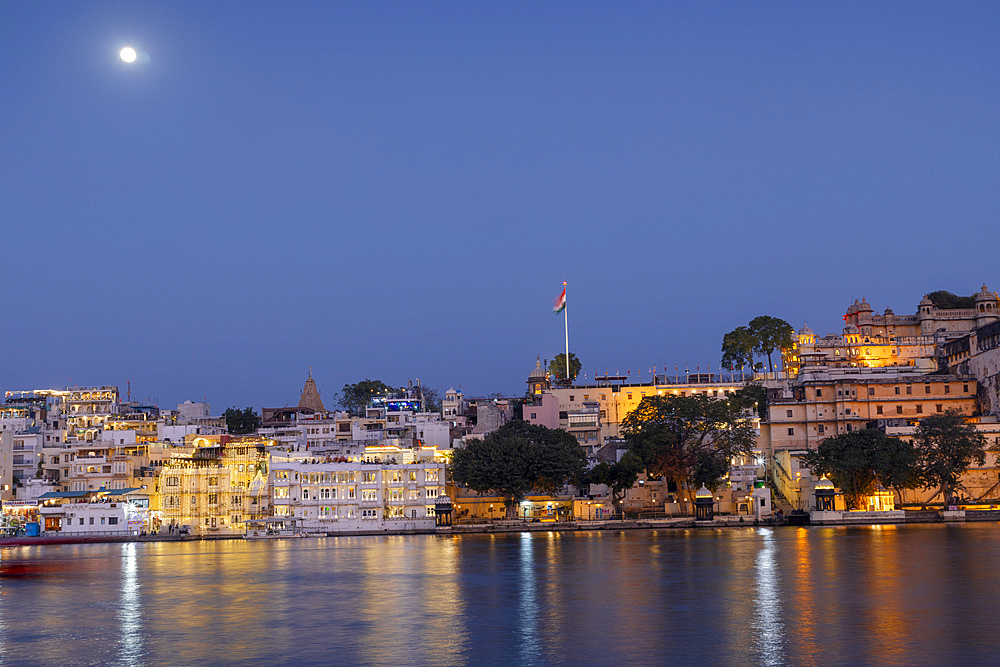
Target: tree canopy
[(688, 438), (619, 476), (557, 367), (946, 446), (517, 458), (946, 300), (738, 348), (241, 422), (857, 462), (355, 397), (761, 337)]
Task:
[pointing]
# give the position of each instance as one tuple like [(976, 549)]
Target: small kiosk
[(442, 512), (825, 495), (704, 504)]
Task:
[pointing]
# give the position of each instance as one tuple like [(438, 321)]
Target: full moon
[(128, 54)]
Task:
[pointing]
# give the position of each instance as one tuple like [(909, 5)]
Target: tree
[(557, 367), (738, 348), (753, 396), (619, 477), (857, 462), (946, 446), (241, 422), (517, 458), (946, 300), (679, 436), (355, 397), (771, 333), (762, 336)]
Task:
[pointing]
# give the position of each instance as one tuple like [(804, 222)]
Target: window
[(573, 398), (947, 389), (279, 492), (369, 514), (213, 481), (413, 475), (430, 475), (821, 428), (927, 389), (847, 411), (326, 494), (281, 474), (791, 431), (431, 492), (939, 407), (350, 493), (368, 478), (533, 416), (788, 413), (819, 393), (897, 391), (871, 391), (173, 481), (305, 493), (112, 521), (878, 409), (965, 388), (848, 428), (213, 499), (920, 409), (369, 495), (909, 389), (91, 521)]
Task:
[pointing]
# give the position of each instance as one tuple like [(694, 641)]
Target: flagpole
[(566, 323)]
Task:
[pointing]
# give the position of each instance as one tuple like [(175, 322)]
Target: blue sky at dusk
[(398, 191)]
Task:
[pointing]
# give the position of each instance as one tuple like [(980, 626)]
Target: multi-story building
[(215, 484), (879, 340), (823, 402), (329, 498)]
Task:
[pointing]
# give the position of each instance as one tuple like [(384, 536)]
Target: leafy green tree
[(946, 300), (678, 436), (241, 422), (517, 458), (619, 477), (762, 336), (946, 446), (355, 397), (753, 396), (857, 462), (557, 367), (738, 349), (771, 333)]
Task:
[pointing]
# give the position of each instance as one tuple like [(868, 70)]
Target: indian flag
[(560, 303)]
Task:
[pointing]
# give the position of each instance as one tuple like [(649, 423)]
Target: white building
[(332, 498)]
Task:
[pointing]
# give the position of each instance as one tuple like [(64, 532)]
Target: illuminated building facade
[(215, 484), (876, 340), (327, 497)]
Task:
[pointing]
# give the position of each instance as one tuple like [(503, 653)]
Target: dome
[(442, 501), (984, 294), (537, 373), (824, 484), (805, 330), (703, 492), (926, 301)]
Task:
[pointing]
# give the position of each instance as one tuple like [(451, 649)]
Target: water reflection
[(843, 596), (129, 610), (527, 603), (768, 616)]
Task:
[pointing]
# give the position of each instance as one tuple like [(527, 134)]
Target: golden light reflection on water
[(894, 595)]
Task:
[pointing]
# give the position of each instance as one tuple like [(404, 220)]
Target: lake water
[(886, 595)]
